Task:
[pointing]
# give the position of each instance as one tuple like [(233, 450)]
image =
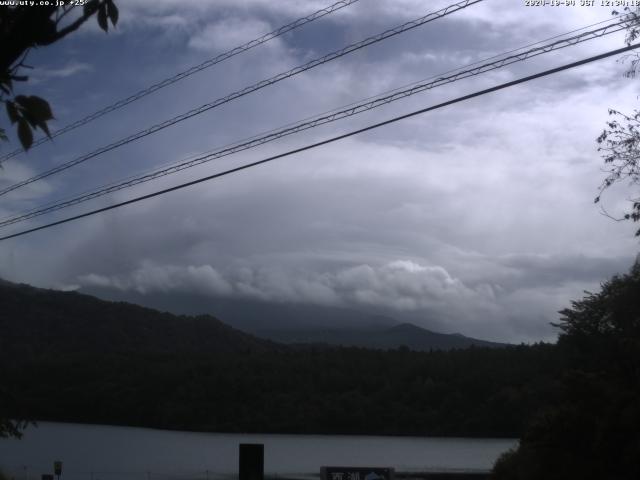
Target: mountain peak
[(408, 328)]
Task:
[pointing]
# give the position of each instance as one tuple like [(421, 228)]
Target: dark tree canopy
[(25, 27), (593, 432), (71, 357)]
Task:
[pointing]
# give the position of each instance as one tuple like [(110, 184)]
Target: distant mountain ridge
[(248, 315), (402, 335), (303, 324), (34, 319)]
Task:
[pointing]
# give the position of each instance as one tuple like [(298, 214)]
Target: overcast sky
[(477, 218)]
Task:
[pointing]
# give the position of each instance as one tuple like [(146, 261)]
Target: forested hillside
[(36, 322), (69, 357)]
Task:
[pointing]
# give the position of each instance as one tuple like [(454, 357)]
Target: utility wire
[(194, 160), (486, 59), (135, 179), (91, 192), (245, 91), (333, 116), (330, 140), (186, 73), (336, 115)]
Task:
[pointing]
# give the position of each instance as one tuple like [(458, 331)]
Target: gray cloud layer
[(518, 298), (477, 218)]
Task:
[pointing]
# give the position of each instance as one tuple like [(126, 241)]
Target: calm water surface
[(97, 452)]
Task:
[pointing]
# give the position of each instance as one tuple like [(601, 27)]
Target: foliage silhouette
[(25, 27), (592, 432), (619, 142)]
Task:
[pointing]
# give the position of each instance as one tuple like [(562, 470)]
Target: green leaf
[(102, 17), (25, 111), (12, 112), (114, 14), (39, 107), (25, 134), (22, 100), (45, 128), (36, 111)]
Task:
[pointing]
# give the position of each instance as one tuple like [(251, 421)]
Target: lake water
[(97, 452)]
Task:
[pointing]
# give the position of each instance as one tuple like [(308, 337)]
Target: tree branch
[(72, 27)]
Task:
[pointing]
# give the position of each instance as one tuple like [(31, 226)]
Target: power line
[(330, 140), (336, 109), (386, 92), (548, 39), (68, 201), (255, 141), (335, 115), (245, 91), (186, 73)]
